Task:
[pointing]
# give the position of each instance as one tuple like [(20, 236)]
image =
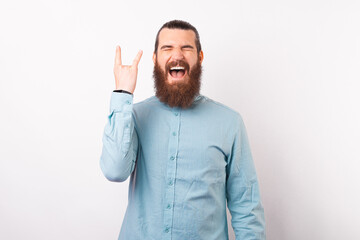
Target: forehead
[(176, 36)]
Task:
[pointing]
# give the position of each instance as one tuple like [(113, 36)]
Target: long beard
[(178, 94)]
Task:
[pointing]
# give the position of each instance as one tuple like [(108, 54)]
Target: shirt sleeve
[(120, 140), (242, 190)]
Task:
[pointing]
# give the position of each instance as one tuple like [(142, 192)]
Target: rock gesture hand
[(126, 75)]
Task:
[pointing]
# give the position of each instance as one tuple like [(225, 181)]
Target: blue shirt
[(184, 165)]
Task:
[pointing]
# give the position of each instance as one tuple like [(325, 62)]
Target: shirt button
[(172, 158), (128, 102), (166, 229), (176, 113), (170, 182), (168, 206), (174, 133)]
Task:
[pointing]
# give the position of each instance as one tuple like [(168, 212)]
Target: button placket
[(170, 182), (171, 173)]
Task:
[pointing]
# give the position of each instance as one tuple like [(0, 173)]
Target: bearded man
[(187, 155)]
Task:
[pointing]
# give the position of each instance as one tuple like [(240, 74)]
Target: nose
[(177, 54)]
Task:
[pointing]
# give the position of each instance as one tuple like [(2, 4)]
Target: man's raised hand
[(126, 75)]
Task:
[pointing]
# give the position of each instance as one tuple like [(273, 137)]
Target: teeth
[(177, 68)]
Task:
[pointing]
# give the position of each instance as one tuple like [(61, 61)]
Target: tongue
[(177, 74)]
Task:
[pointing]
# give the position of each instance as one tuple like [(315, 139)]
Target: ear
[(154, 58), (201, 56)]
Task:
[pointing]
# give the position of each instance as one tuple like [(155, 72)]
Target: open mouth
[(177, 72)]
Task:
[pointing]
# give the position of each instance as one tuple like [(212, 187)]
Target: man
[(186, 154)]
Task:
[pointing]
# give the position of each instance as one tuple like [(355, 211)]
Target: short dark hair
[(179, 24)]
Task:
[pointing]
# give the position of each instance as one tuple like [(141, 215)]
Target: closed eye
[(166, 47), (187, 47), (169, 47)]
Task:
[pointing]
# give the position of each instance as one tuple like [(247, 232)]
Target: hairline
[(158, 42), (197, 37)]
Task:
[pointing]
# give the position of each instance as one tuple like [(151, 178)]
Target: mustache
[(178, 63)]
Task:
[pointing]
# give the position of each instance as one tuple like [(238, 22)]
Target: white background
[(291, 68)]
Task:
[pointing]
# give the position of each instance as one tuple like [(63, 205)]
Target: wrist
[(122, 90), (124, 87)]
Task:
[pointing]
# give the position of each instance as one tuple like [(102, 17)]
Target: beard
[(178, 94)]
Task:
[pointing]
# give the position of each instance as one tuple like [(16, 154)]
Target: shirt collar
[(197, 98)]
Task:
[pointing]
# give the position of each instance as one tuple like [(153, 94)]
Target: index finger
[(118, 55), (137, 58)]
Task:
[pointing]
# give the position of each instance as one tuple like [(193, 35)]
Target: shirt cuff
[(121, 102), (120, 90)]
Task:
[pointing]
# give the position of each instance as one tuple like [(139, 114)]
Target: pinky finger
[(137, 59)]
